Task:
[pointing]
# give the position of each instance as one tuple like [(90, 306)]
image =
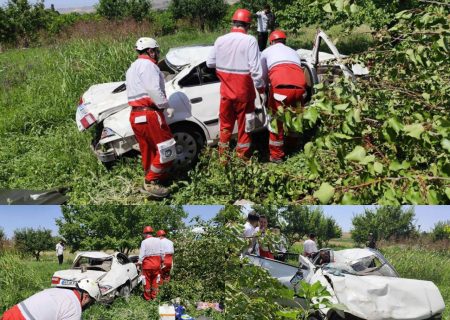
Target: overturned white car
[(364, 282), (116, 274), (193, 91)]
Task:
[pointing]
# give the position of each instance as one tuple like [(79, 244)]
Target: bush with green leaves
[(441, 231), (163, 22), (33, 241), (205, 14), (385, 223), (115, 227)]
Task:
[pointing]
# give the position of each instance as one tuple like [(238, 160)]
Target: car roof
[(347, 255), (95, 255), (181, 56)]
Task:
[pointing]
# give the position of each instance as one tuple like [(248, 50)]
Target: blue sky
[(13, 217), (62, 3)]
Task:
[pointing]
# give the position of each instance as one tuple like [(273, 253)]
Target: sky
[(13, 217), (62, 3)]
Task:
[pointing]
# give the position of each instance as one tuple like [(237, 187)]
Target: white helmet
[(91, 287), (146, 43)]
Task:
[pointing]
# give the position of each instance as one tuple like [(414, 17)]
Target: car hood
[(77, 275), (379, 298)]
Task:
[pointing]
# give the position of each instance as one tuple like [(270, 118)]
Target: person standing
[(150, 259), (250, 228), (310, 246), (237, 61), (147, 98), (282, 69), (56, 303), (371, 242), (60, 251), (265, 22), (264, 250), (168, 251)]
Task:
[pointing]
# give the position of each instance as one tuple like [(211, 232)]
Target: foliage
[(114, 227), (138, 9), (33, 241), (163, 22), (298, 221), (112, 9), (200, 12), (441, 231), (384, 222)]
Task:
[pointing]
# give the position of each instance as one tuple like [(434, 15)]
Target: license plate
[(81, 111), (67, 283)]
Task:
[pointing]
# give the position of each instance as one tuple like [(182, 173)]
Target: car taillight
[(87, 121), (55, 280), (81, 100)]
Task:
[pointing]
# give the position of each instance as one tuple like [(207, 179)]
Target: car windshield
[(103, 264), (366, 266)]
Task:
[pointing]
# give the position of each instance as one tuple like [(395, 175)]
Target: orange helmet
[(147, 229), (277, 34), (242, 15), (160, 233)]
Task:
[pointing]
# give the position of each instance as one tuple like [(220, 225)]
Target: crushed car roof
[(348, 255), (95, 255), (181, 56)]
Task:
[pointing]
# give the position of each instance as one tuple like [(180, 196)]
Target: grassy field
[(40, 146), (22, 277)]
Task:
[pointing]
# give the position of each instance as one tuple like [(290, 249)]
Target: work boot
[(155, 190)]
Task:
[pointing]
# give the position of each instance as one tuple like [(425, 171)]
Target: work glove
[(170, 112)]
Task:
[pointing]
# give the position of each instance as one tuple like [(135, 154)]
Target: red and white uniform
[(49, 304), (147, 98), (237, 61), (168, 250), (282, 68), (150, 255)]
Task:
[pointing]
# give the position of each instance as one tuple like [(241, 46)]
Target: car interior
[(93, 264)]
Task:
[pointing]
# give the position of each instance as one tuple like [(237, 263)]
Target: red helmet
[(160, 233), (277, 34), (147, 229), (242, 15)]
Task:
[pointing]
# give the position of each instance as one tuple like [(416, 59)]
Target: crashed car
[(193, 92), (363, 281), (116, 274)]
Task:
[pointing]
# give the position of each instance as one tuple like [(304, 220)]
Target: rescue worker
[(168, 251), (147, 98), (237, 61), (56, 303), (264, 250), (150, 259), (282, 69)]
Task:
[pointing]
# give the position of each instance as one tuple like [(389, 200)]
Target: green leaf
[(325, 193), (378, 167), (414, 130), (368, 159), (396, 166), (308, 148), (354, 8), (327, 8), (395, 124), (342, 136), (339, 5), (357, 154), (311, 114), (426, 96), (341, 107), (447, 192), (348, 199), (445, 143)]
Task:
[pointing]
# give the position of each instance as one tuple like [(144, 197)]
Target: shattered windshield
[(365, 266), (100, 264)]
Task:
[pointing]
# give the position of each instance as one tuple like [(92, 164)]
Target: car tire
[(125, 291), (189, 143)]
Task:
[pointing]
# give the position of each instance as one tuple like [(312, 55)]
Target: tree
[(2, 238), (441, 231), (112, 9), (113, 226), (138, 9), (200, 12), (384, 222), (33, 241)]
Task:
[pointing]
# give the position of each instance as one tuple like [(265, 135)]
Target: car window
[(208, 75), (122, 259), (191, 79), (93, 264)]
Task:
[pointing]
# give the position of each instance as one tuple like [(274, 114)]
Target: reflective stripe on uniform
[(224, 144), (25, 311), (230, 70), (283, 61), (157, 170), (276, 143), (243, 145)]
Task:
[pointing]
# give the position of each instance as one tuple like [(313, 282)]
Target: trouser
[(152, 281), (265, 253), (244, 113), (13, 314), (165, 272), (153, 135), (60, 259), (262, 40), (276, 139)]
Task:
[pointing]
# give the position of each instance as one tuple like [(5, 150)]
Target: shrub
[(441, 231), (163, 22)]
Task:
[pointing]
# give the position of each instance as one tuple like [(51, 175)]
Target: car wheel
[(189, 144), (125, 291)]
